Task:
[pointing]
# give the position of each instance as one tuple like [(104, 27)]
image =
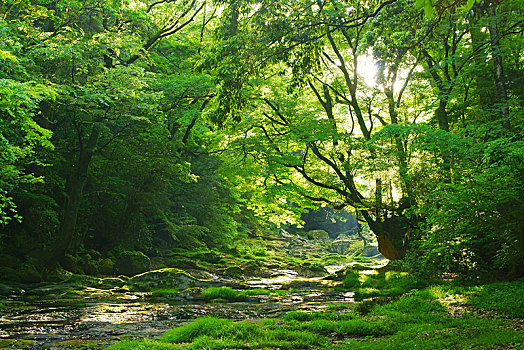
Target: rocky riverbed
[(94, 317), (85, 312)]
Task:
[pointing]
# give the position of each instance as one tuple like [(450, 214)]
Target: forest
[(262, 174)]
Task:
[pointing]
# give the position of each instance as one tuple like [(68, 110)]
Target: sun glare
[(367, 70)]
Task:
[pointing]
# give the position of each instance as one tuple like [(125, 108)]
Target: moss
[(106, 266), (80, 344), (15, 343), (29, 274), (506, 297), (314, 316), (165, 292), (191, 331), (164, 278), (215, 333), (9, 274), (390, 283), (234, 271), (144, 344), (131, 263), (221, 293)]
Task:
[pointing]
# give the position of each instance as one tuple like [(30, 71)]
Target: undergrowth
[(231, 294), (418, 319)]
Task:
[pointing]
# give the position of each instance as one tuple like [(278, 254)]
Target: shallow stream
[(94, 323)]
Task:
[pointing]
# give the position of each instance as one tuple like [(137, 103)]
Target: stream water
[(94, 323)]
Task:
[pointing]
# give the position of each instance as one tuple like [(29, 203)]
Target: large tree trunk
[(392, 234), (483, 81), (74, 190), (498, 71)]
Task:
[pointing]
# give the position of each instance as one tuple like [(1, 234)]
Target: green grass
[(216, 333), (164, 292), (16, 343), (314, 316), (228, 293), (333, 259), (390, 283), (143, 344), (341, 306), (418, 319), (202, 326), (505, 297)]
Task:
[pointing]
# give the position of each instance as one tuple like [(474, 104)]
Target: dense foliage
[(156, 125)]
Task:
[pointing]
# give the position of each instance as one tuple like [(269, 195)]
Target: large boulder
[(290, 238), (132, 263), (72, 264), (234, 272), (168, 277), (370, 250), (318, 235), (340, 245), (29, 274), (106, 266)]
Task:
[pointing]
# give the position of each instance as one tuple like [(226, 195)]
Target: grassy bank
[(443, 316)]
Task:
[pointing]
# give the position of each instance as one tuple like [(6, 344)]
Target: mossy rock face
[(340, 246), (233, 271), (316, 267), (169, 277), (254, 270), (111, 282), (370, 250), (82, 280), (210, 257), (318, 235), (132, 263)]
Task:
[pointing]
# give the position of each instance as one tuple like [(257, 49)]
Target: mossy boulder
[(82, 281), (233, 271), (58, 275), (29, 274), (111, 282), (72, 264), (106, 266), (340, 246), (10, 261), (370, 250), (169, 277), (9, 274), (253, 268), (90, 267), (132, 263), (181, 262), (318, 235)]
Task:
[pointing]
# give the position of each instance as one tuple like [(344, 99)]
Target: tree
[(318, 144)]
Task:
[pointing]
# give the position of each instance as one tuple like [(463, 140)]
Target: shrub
[(221, 293)]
